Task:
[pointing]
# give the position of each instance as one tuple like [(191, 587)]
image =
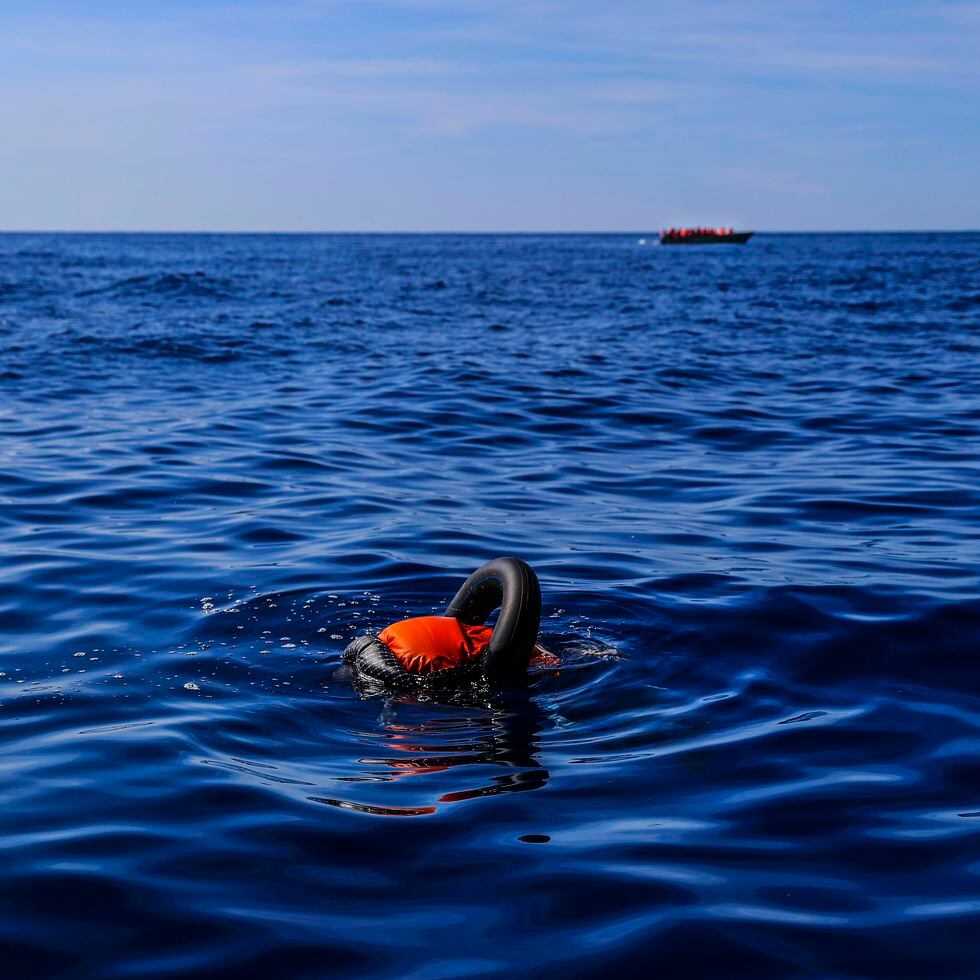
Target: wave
[(196, 285)]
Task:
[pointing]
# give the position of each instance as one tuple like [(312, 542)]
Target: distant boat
[(704, 236)]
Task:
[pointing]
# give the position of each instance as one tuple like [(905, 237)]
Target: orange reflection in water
[(428, 739)]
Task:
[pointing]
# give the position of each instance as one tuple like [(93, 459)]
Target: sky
[(489, 115)]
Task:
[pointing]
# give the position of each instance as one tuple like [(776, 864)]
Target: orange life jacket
[(426, 644)]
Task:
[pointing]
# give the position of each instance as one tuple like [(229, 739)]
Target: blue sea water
[(748, 479)]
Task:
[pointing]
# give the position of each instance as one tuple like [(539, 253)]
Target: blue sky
[(489, 115)]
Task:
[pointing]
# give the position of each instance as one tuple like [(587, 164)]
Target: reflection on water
[(470, 738)]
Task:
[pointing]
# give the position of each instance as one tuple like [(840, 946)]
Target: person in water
[(458, 646)]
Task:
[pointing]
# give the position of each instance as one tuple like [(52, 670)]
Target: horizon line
[(631, 232)]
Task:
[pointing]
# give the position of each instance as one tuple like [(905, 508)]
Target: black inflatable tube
[(373, 661), (511, 585)]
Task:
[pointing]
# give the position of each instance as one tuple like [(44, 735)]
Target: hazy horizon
[(650, 233), (548, 116)]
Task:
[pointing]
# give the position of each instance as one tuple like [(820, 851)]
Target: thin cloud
[(359, 68)]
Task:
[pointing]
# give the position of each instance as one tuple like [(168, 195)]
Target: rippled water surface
[(748, 478)]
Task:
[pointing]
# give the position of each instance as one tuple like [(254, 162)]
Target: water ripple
[(748, 479)]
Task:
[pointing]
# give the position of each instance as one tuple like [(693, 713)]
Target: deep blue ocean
[(749, 479)]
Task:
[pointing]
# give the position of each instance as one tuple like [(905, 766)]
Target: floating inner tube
[(455, 647)]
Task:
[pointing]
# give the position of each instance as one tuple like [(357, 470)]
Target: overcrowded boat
[(704, 236)]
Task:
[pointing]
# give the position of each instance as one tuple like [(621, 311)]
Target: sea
[(747, 478)]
